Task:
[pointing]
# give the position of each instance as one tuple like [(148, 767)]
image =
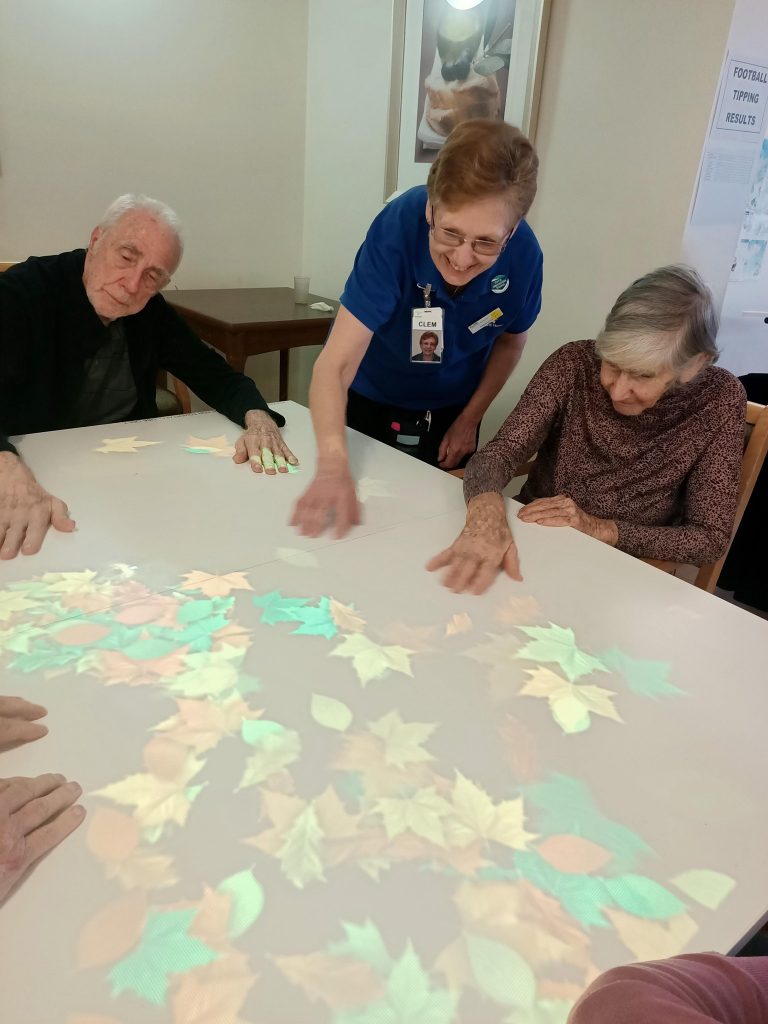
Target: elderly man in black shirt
[(82, 337)]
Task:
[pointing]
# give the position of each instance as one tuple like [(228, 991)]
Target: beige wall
[(198, 102)]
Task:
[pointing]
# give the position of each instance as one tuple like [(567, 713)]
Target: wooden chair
[(755, 450), (171, 395)]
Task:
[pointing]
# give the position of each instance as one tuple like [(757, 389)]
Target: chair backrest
[(755, 450), (6, 265)]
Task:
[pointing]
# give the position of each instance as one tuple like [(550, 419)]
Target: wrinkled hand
[(26, 510), (330, 497), (262, 445), (18, 722), (460, 439), (35, 815), (483, 547), (563, 511)]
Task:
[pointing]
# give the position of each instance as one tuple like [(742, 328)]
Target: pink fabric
[(701, 988)]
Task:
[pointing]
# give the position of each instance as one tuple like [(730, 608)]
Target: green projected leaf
[(330, 713), (247, 901), (364, 942), (583, 896), (643, 897), (273, 754), (709, 888), (300, 853), (557, 644), (644, 677), (165, 948), (501, 973), (278, 608), (566, 806), (255, 731), (315, 620)]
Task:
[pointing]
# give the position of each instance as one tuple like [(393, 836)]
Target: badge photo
[(427, 336)]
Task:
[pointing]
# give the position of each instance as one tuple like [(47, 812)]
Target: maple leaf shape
[(298, 557), (476, 816), (111, 445), (570, 703), (402, 740), (644, 677), (201, 724), (555, 643), (371, 660), (273, 754), (219, 446), (339, 982), (215, 586), (517, 610), (11, 604), (156, 800), (423, 813), (496, 650), (417, 638), (346, 618)]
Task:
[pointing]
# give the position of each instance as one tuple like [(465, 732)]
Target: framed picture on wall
[(453, 60)]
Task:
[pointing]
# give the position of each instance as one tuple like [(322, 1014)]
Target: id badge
[(427, 344)]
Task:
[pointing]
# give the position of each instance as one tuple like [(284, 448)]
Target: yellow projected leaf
[(402, 740), (652, 940), (300, 854), (709, 888), (157, 801), (273, 755), (368, 487), (112, 931), (145, 870), (11, 604), (110, 445), (298, 557), (518, 610), (346, 618), (477, 817), (215, 586), (339, 982), (424, 813), (460, 623), (371, 660), (570, 703)]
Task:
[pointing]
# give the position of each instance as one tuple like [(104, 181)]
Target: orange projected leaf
[(520, 749), (81, 634), (346, 618), (418, 638), (144, 870), (460, 623), (91, 1018), (332, 816), (518, 610), (652, 940), (215, 993), (215, 586), (548, 988), (573, 854), (116, 667), (112, 835), (112, 931), (338, 982), (453, 963), (158, 609), (165, 758), (212, 919)]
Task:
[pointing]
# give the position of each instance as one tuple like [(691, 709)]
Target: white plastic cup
[(301, 290)]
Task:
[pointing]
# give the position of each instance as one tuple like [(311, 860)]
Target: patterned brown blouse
[(668, 478)]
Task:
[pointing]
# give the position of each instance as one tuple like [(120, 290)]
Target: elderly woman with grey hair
[(639, 440)]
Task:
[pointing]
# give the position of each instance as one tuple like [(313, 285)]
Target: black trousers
[(388, 422)]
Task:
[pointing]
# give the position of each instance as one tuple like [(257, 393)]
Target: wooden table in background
[(242, 322)]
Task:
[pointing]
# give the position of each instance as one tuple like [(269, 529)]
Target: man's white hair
[(132, 201)]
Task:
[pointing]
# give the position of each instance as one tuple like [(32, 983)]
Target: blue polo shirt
[(383, 288)]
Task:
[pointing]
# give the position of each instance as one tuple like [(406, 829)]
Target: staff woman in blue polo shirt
[(455, 257)]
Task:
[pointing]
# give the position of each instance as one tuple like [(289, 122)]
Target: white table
[(478, 866)]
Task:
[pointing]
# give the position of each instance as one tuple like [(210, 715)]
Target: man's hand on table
[(26, 509), (35, 815), (18, 722), (331, 497), (483, 548), (262, 445)]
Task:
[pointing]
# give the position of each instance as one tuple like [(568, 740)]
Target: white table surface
[(420, 835)]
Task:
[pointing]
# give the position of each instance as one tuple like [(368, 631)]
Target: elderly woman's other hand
[(18, 722), (563, 511), (483, 548), (35, 815)]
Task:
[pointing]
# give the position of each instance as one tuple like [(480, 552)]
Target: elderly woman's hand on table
[(18, 722), (35, 816), (483, 548), (262, 445), (563, 511)]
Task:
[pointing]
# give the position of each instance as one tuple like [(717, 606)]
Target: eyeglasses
[(152, 278), (481, 246)]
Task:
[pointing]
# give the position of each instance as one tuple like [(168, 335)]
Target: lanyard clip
[(427, 289)]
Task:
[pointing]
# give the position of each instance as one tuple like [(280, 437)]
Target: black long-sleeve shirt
[(49, 331)]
